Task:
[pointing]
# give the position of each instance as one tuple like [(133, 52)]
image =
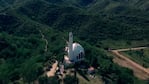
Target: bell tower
[(70, 52)]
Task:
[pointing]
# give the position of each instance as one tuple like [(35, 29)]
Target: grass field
[(95, 80), (139, 56)]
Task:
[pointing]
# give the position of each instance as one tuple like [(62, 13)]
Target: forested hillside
[(96, 24)]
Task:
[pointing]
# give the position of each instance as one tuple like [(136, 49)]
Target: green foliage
[(97, 24), (118, 27), (8, 22), (70, 80), (26, 55), (111, 73), (51, 80), (141, 56), (15, 52), (31, 69), (6, 72)]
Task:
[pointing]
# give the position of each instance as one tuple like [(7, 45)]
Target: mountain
[(96, 24), (81, 20)]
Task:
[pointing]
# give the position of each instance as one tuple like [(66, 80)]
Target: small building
[(91, 71)]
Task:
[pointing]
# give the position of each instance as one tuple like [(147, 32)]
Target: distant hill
[(115, 19), (103, 19)]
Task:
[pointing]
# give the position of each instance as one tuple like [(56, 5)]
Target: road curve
[(139, 71)]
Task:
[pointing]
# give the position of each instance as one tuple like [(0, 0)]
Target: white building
[(75, 52)]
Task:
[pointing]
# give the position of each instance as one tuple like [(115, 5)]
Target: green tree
[(70, 80), (31, 69)]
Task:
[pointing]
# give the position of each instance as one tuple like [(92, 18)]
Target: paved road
[(139, 71)]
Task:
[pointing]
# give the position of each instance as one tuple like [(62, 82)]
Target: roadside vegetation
[(139, 56)]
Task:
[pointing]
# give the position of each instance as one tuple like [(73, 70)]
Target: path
[(53, 70), (54, 66), (44, 39), (139, 71)]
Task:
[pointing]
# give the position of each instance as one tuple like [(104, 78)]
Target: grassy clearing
[(95, 80), (139, 56)]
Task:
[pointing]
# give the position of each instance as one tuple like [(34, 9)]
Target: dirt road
[(46, 41), (139, 71), (127, 49), (53, 70)]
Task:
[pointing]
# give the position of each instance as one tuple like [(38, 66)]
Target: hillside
[(96, 24), (72, 18)]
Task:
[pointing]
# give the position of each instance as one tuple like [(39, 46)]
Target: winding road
[(139, 71)]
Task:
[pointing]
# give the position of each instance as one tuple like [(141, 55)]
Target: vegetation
[(111, 73), (96, 25), (141, 56), (70, 79), (51, 80)]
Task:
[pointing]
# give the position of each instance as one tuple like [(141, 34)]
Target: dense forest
[(96, 25)]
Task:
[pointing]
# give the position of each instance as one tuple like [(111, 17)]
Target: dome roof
[(77, 48), (78, 53)]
